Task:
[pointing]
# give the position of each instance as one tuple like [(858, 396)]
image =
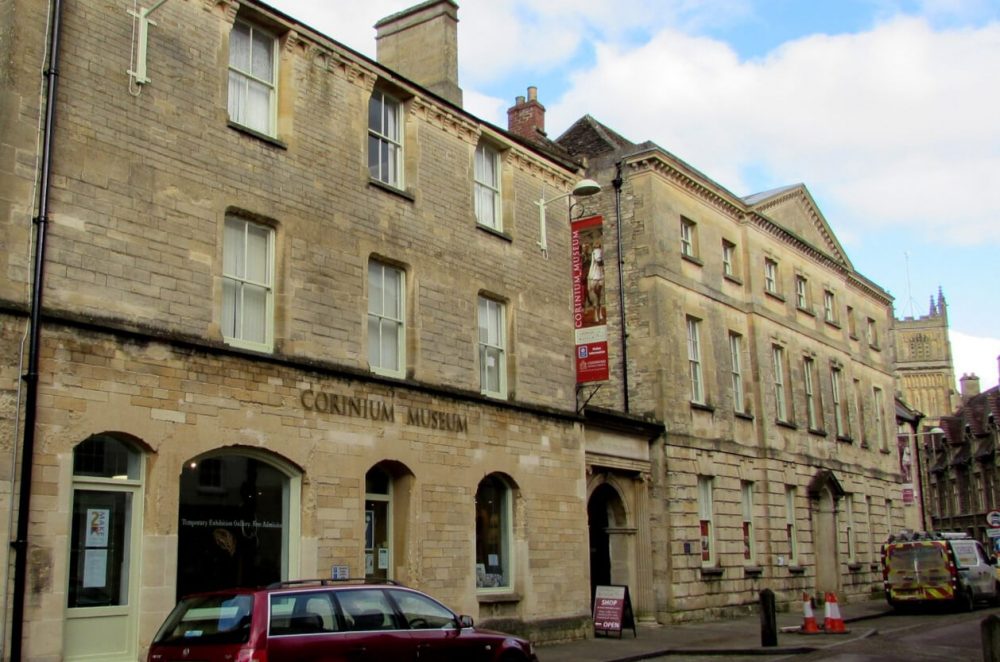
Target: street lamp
[(584, 188)]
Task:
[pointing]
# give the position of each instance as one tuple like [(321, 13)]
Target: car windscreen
[(213, 619), (965, 553)]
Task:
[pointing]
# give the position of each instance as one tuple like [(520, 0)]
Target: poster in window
[(383, 558), (369, 529), (95, 568), (369, 563), (97, 527)]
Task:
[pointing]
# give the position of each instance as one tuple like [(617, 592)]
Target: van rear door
[(918, 570)]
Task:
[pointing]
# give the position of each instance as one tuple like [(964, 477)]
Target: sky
[(887, 110)]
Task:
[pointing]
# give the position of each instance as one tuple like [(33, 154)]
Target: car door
[(435, 632), (972, 564)]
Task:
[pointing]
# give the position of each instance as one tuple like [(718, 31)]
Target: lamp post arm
[(542, 235)]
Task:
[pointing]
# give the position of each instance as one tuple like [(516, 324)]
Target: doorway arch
[(606, 519), (824, 493), (238, 521)]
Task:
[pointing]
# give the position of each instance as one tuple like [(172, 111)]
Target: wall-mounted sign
[(590, 313)]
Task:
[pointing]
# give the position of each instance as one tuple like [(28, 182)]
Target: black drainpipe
[(617, 183), (20, 544)]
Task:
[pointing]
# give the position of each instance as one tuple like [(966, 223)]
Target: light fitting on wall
[(584, 188)]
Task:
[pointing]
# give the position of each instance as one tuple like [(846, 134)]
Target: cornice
[(654, 162), (440, 117)]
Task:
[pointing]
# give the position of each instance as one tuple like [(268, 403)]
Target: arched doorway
[(237, 521), (608, 550), (824, 493), (388, 486)]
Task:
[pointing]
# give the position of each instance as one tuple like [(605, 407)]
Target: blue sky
[(887, 110)]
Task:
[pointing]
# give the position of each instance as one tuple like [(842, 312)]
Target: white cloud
[(896, 123), (973, 354)]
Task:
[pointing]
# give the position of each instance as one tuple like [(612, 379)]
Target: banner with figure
[(590, 313)]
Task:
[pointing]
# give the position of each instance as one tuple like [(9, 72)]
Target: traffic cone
[(832, 622), (808, 618)]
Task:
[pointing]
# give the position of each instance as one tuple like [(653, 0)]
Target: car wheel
[(511, 656), (966, 601)]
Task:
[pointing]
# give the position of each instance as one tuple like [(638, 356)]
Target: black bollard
[(768, 619), (989, 629)]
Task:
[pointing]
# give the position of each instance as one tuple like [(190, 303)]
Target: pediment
[(793, 208)]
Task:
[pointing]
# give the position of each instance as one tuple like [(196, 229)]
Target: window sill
[(852, 336), (875, 567), (884, 451), (864, 444), (701, 406), (711, 572), (389, 188), (874, 347), (746, 416), (733, 279), (753, 571), (806, 311), (496, 233), (796, 570), (692, 259), (497, 598), (774, 295), (786, 424), (816, 432), (845, 440), (834, 323), (271, 140), (854, 567)]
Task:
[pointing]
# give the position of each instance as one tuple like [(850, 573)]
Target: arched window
[(378, 524), (494, 534)]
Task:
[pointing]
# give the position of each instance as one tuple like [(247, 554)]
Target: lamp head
[(585, 188)]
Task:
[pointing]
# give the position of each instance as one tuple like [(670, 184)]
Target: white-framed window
[(252, 77), (809, 379), (736, 369), (492, 348), (728, 258), (487, 187), (780, 395), (852, 548), (791, 528), (802, 292), (877, 405), (247, 284), (829, 306), (385, 139), (839, 403), (694, 360), (770, 276), (689, 246), (852, 327), (386, 319), (494, 535), (705, 520), (746, 504), (859, 405), (873, 546)]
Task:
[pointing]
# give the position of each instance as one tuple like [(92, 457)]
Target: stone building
[(767, 356), (292, 321), (959, 461), (925, 372)]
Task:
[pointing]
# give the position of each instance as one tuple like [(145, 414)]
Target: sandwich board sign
[(613, 610)]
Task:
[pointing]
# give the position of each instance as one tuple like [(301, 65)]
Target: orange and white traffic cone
[(832, 622), (808, 618)]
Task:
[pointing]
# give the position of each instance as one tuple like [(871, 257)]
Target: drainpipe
[(617, 183), (20, 543)]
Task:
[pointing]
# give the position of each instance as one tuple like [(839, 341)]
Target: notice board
[(613, 610)]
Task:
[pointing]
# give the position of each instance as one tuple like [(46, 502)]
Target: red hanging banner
[(590, 315)]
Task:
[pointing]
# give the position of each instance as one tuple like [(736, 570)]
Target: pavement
[(740, 636)]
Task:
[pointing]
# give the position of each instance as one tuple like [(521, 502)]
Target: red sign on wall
[(590, 314)]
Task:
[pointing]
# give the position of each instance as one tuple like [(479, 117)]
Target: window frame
[(878, 404), (736, 370), (492, 344), (492, 189), (247, 78), (382, 318), (380, 136), (852, 547), (695, 373), (506, 527), (841, 419), (829, 306), (749, 531), (242, 283), (780, 387), (791, 525), (770, 276), (813, 405), (689, 239), (729, 259), (706, 523), (801, 292)]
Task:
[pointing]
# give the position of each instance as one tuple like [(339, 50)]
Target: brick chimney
[(421, 43), (527, 118), (970, 386)]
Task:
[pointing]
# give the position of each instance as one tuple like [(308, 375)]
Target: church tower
[(925, 373)]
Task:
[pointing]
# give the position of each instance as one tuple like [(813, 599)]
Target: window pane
[(232, 248), (255, 314), (375, 112), (492, 532), (390, 345), (263, 56), (258, 110), (106, 457), (391, 306), (374, 342), (239, 47), (237, 97), (375, 294), (257, 253), (99, 552), (230, 308)]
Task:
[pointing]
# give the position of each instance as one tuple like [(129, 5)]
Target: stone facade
[(704, 271), (138, 352)]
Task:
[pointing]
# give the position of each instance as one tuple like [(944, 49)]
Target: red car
[(326, 621)]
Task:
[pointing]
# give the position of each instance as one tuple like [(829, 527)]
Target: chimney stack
[(421, 43), (970, 386), (527, 118)]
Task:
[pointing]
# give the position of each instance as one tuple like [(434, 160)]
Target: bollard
[(989, 629), (768, 619)]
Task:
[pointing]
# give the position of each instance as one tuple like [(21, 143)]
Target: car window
[(965, 553), (302, 613), (215, 619), (366, 609), (421, 612)]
